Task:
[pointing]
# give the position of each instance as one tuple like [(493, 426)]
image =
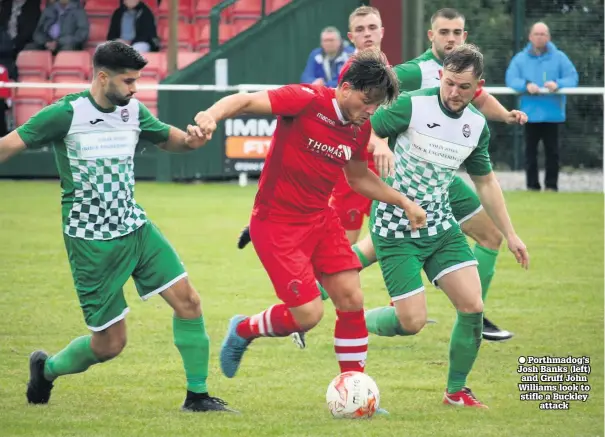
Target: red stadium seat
[(203, 7), (153, 5), (99, 26), (246, 9), (156, 66), (225, 32), (185, 9), (61, 92), (24, 109), (274, 5), (148, 97), (35, 62), (71, 63), (184, 33), (101, 8), (40, 95), (241, 24), (186, 58)]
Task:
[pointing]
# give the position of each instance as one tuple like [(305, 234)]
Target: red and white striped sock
[(351, 340), (276, 321)]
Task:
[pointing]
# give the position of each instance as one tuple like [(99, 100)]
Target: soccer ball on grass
[(352, 395)]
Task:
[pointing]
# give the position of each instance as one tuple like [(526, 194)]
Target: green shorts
[(100, 268), (464, 201), (402, 259)]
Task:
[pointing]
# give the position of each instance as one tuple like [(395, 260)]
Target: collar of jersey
[(433, 57), (341, 117), (97, 107), (446, 111)]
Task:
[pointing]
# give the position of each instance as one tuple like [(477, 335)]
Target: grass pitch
[(555, 308)]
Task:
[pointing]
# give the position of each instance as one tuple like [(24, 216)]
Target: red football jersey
[(311, 144)]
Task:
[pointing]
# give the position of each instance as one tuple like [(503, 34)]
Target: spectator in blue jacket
[(541, 65), (325, 62)]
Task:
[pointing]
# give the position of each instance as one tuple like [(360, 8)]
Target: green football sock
[(487, 266), (362, 258), (384, 322), (464, 347), (75, 358), (192, 341)]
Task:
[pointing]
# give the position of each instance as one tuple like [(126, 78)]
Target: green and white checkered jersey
[(430, 144), (94, 151), (419, 73)]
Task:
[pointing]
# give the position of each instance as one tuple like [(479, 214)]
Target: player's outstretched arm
[(181, 142), (10, 145), (494, 111), (366, 183), (490, 193), (230, 106)]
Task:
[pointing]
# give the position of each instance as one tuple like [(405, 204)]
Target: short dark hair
[(448, 14), (117, 57), (462, 58), (369, 72)]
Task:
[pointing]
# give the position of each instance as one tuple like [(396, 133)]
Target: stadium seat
[(101, 8), (75, 64), (148, 97), (185, 31), (39, 95), (274, 5), (24, 109), (185, 10), (246, 9), (156, 66), (153, 5), (186, 58), (225, 32), (99, 26), (61, 92), (241, 24), (35, 62), (203, 8)]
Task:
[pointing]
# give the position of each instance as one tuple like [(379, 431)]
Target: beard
[(117, 99)]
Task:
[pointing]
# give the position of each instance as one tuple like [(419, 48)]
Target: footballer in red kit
[(296, 234)]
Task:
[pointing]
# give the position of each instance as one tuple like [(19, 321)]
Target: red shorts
[(294, 255), (349, 205)]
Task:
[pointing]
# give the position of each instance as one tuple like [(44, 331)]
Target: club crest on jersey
[(335, 152), (466, 131), (125, 115)]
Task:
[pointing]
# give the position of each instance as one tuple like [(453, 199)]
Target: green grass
[(555, 308)]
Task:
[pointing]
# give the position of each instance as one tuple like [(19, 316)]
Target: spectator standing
[(541, 65)]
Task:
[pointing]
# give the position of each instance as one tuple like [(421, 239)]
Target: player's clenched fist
[(195, 138), (415, 214), (206, 123)]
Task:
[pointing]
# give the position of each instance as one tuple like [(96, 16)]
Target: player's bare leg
[(353, 235), (463, 288), (488, 241)]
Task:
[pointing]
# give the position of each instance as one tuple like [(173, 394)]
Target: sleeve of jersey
[(152, 129), (478, 162), (361, 154), (409, 75), (50, 124), (290, 100), (390, 121)]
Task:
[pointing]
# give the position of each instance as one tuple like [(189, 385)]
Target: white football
[(353, 395)]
